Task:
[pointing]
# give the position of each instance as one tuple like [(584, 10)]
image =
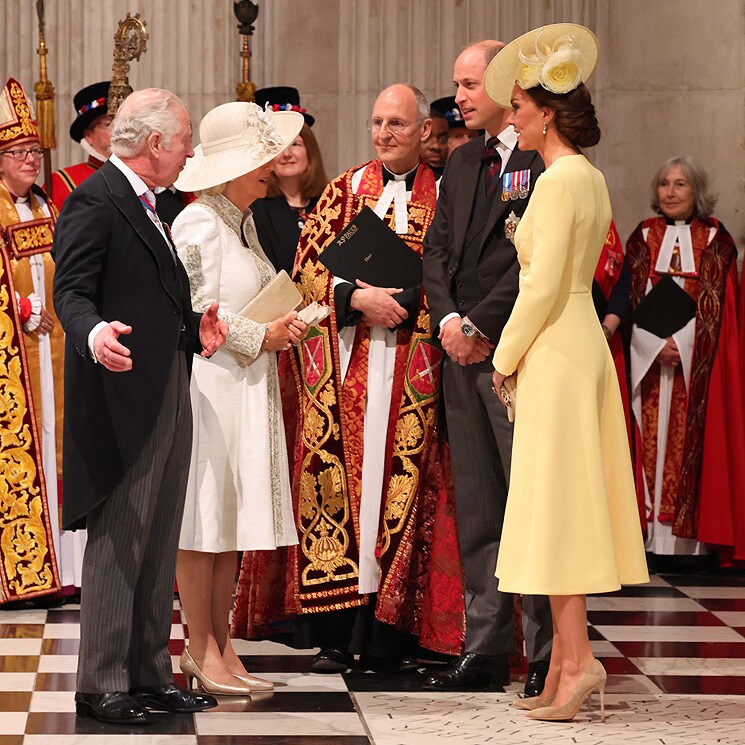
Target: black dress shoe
[(170, 697), (113, 708), (331, 661), (537, 672), (387, 664), (471, 670)]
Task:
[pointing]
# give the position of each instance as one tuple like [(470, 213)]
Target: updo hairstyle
[(574, 113)]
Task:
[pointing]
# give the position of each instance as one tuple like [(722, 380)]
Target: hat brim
[(78, 127), (501, 74), (205, 171)]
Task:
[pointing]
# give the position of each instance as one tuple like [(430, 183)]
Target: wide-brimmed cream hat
[(557, 57), (236, 138)]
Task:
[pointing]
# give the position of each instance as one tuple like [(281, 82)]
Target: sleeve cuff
[(92, 335), (31, 318), (447, 318)]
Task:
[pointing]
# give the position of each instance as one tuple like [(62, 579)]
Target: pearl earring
[(544, 128)]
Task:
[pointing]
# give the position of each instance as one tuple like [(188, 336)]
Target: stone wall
[(671, 78)]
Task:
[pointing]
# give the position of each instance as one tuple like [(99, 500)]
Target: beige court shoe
[(594, 678), (191, 671), (256, 684)]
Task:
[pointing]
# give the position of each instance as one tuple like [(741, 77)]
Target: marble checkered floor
[(674, 651)]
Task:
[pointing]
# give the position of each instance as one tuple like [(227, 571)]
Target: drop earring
[(544, 128)]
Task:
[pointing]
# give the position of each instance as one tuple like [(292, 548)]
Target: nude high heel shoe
[(594, 678), (531, 704), (191, 670), (256, 684)]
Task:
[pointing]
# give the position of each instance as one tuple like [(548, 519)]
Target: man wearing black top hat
[(91, 130)]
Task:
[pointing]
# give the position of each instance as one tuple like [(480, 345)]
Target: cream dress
[(238, 495), (571, 525)]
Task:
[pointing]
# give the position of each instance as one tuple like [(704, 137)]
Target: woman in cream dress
[(571, 524), (238, 496)]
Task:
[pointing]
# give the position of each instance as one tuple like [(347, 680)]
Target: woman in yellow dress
[(571, 526)]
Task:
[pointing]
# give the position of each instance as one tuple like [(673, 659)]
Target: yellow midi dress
[(571, 524)]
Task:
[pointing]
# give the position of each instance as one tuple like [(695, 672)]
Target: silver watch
[(467, 328)]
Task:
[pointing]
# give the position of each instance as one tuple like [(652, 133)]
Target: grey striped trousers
[(130, 558)]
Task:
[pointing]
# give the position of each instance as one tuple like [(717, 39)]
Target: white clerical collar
[(139, 186), (400, 176)]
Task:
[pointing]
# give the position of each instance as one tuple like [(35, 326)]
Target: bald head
[(487, 47), (400, 121), (141, 114)]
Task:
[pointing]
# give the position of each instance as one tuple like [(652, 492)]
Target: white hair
[(142, 113)]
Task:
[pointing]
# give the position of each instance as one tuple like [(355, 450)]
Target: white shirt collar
[(507, 138), (139, 186)]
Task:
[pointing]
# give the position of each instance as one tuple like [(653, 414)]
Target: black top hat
[(90, 103), (282, 98), (450, 111)]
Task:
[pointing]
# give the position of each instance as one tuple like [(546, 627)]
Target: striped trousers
[(129, 566)]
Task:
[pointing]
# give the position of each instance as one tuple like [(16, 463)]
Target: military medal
[(510, 226), (515, 185)]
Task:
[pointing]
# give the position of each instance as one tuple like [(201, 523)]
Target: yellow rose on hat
[(562, 71), (558, 57)]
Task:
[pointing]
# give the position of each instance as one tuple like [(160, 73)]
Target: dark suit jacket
[(278, 230), (113, 264), (498, 270)]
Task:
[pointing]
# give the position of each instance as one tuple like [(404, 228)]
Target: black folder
[(369, 250), (665, 309)]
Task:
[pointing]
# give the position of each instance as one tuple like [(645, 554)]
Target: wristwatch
[(467, 328)]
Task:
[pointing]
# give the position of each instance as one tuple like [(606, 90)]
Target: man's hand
[(109, 352), (465, 350), (212, 331), (377, 306), (669, 354), (46, 324)]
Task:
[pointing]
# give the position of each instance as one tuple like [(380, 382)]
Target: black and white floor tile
[(674, 651)]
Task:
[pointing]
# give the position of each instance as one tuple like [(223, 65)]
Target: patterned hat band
[(93, 105)]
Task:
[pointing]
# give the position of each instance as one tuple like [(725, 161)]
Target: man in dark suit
[(471, 279), (123, 299)]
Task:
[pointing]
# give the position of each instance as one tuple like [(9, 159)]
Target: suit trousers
[(126, 603), (481, 448)]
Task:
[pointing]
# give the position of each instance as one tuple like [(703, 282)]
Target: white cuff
[(447, 318), (92, 335), (35, 318)]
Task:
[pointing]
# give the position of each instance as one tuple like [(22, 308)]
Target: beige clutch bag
[(508, 392), (275, 300)]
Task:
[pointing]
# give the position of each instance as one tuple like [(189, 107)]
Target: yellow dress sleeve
[(553, 213)]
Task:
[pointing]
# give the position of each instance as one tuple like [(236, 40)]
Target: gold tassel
[(44, 89), (45, 113)]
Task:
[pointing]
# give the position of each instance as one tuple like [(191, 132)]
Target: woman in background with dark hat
[(297, 180)]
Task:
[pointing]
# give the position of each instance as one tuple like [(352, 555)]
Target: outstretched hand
[(212, 331), (109, 351)]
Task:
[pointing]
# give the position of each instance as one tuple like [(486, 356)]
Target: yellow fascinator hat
[(557, 57)]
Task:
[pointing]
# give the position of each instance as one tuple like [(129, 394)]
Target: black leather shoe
[(170, 697), (331, 661), (387, 664), (471, 670), (537, 672), (113, 708)]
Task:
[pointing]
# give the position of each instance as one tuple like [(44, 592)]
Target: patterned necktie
[(492, 164)]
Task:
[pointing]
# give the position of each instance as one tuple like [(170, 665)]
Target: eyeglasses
[(37, 153), (395, 126)]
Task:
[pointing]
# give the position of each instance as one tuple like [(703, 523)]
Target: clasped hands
[(377, 305), (669, 354), (284, 332), (465, 350), (114, 356)]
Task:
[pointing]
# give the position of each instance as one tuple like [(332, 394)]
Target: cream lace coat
[(238, 497)]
